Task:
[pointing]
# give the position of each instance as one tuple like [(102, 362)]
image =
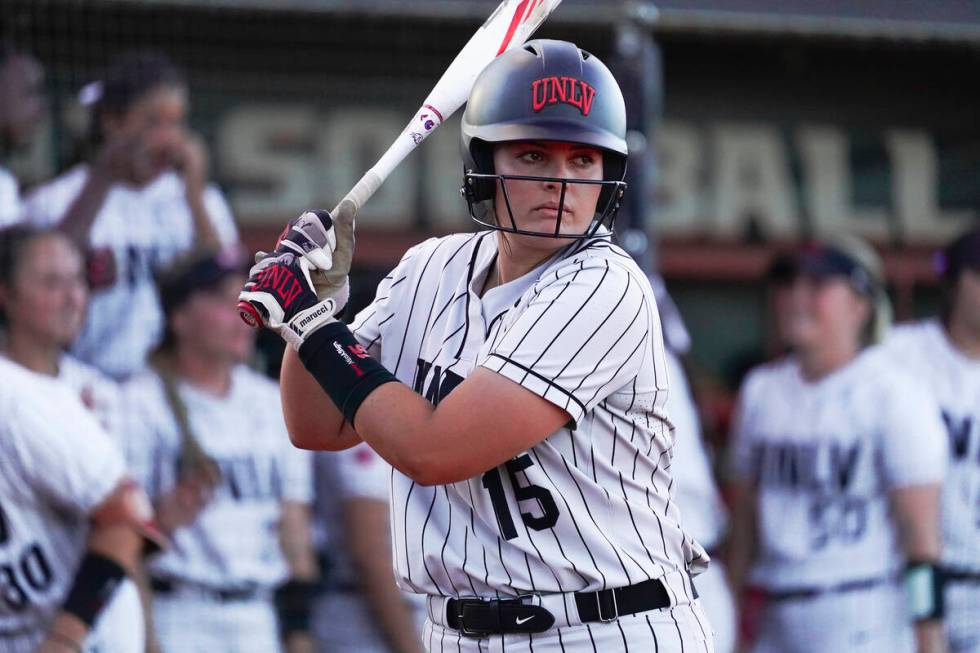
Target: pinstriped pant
[(681, 629)]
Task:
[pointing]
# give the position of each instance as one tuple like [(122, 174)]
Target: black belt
[(960, 575), (225, 594), (800, 593), (482, 617)]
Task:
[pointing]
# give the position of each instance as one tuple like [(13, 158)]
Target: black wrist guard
[(343, 369), (95, 582), (294, 605), (924, 590)]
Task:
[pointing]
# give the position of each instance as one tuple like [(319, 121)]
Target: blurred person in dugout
[(359, 607), (72, 522), (205, 436), (703, 512), (944, 352), (21, 111), (46, 299), (142, 198), (837, 458)]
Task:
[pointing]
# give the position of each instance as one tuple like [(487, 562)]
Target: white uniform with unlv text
[(823, 457), (56, 466), (588, 508), (925, 350), (223, 568), (354, 474), (144, 229)]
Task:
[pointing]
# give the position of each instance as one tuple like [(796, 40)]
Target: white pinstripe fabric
[(582, 331)]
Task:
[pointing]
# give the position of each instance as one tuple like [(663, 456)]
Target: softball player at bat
[(515, 379), (142, 200), (70, 519), (945, 353), (838, 459), (239, 535)]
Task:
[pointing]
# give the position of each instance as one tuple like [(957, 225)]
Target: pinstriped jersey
[(924, 350), (56, 466), (590, 506), (823, 456)]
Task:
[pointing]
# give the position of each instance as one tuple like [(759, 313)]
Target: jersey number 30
[(495, 486), (33, 570)]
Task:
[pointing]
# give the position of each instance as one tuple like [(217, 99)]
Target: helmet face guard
[(485, 211), (544, 91)]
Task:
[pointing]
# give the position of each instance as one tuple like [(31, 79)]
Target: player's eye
[(584, 160), (531, 156)]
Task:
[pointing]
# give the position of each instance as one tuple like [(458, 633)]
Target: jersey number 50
[(495, 486)]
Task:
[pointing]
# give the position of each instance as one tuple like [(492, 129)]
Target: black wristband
[(294, 605), (343, 369), (95, 582)]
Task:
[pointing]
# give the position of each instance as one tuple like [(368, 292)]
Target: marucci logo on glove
[(320, 312), (282, 281)]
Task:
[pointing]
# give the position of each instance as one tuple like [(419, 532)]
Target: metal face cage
[(482, 204)]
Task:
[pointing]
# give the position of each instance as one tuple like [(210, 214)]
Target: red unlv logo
[(552, 90)]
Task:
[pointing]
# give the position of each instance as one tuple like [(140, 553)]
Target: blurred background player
[(21, 111), (238, 509), (360, 608), (703, 512), (944, 352), (44, 306), (838, 460), (71, 521), (142, 199)]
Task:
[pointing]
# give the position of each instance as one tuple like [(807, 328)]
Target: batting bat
[(509, 26)]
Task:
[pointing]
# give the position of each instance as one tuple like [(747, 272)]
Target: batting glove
[(313, 235), (279, 295)]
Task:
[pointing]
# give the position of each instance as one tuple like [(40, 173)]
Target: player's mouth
[(550, 210)]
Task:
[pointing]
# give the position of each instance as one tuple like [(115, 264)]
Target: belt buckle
[(461, 605), (615, 607)]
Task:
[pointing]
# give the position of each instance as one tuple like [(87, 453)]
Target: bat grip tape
[(343, 369)]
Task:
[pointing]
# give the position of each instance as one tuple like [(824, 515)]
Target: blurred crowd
[(118, 287)]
